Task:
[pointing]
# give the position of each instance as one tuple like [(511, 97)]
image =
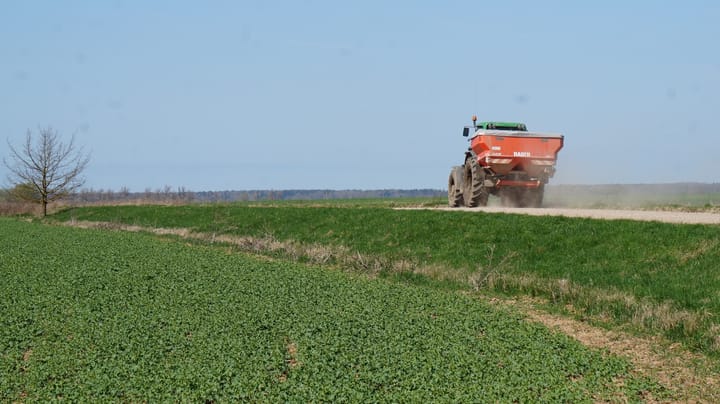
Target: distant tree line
[(183, 195), (165, 194), (313, 194)]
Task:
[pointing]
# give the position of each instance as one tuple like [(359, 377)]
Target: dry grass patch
[(290, 361), (690, 377), (19, 208), (701, 248), (642, 313)]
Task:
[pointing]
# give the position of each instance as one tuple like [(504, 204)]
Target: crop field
[(649, 277), (98, 315)]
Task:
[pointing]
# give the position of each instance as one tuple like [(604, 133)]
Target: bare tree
[(48, 167)]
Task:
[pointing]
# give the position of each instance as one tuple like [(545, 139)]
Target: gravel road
[(646, 215)]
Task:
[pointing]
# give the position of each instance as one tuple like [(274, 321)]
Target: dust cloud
[(633, 196)]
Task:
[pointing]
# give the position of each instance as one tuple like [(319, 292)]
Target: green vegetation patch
[(96, 315), (661, 277)]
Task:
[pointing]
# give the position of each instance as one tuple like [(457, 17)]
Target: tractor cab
[(513, 126), (509, 126)]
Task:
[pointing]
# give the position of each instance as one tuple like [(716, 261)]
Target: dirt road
[(645, 215)]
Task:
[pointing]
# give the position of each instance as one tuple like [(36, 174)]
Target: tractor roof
[(501, 125)]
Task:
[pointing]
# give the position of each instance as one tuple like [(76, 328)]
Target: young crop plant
[(97, 315), (656, 277)]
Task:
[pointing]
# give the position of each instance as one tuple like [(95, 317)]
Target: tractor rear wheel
[(475, 193), (455, 187)]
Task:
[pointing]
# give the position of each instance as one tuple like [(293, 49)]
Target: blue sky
[(361, 94)]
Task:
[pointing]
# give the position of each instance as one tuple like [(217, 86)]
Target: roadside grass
[(553, 198), (656, 277), (94, 315)]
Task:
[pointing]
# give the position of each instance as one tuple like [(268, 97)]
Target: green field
[(651, 277), (97, 315)]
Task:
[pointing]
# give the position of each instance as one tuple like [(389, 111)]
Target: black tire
[(455, 187), (474, 193)]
